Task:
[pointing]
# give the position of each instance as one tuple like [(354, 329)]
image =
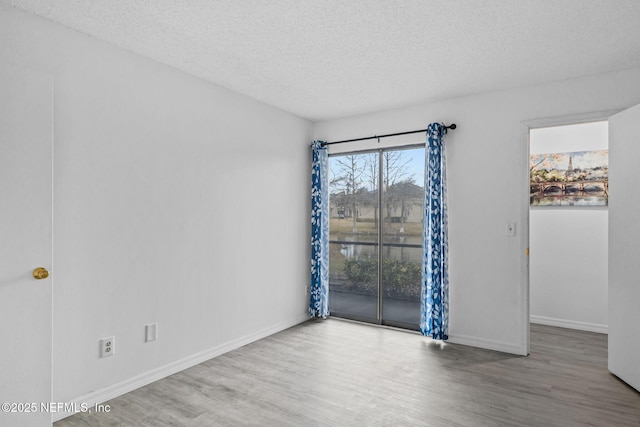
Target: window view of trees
[(347, 189), (367, 197), (354, 192)]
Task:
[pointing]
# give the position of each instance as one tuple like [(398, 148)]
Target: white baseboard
[(487, 344), (570, 324), (111, 392)]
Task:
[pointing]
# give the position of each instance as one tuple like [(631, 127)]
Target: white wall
[(154, 170), (175, 201), (568, 262), (624, 235), (488, 173)]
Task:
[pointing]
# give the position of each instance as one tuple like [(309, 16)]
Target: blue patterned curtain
[(434, 312), (319, 291)]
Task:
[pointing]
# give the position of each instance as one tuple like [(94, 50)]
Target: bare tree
[(355, 181), (372, 172), (395, 170), (409, 195), (348, 181)]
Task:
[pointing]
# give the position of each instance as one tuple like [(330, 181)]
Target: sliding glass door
[(375, 233), (353, 236)]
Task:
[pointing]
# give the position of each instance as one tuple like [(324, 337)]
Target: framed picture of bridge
[(579, 178)]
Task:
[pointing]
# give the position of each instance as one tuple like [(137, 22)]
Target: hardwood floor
[(337, 373)]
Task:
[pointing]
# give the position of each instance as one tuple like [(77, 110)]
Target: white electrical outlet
[(107, 346), (151, 332)]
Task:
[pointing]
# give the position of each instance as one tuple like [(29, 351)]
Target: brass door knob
[(40, 273)]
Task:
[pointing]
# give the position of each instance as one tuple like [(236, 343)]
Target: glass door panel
[(401, 286), (402, 208), (375, 237), (353, 236), (353, 281)]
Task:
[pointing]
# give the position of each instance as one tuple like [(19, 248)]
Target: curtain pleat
[(434, 311), (319, 288)]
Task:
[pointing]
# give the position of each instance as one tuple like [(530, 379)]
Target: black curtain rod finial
[(451, 126)]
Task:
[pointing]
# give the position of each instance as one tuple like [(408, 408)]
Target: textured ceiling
[(333, 58)]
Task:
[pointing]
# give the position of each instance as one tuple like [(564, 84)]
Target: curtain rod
[(452, 126)]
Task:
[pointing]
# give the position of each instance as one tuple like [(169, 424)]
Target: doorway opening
[(375, 235), (568, 225)]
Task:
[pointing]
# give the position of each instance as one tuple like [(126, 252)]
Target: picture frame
[(578, 178)]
